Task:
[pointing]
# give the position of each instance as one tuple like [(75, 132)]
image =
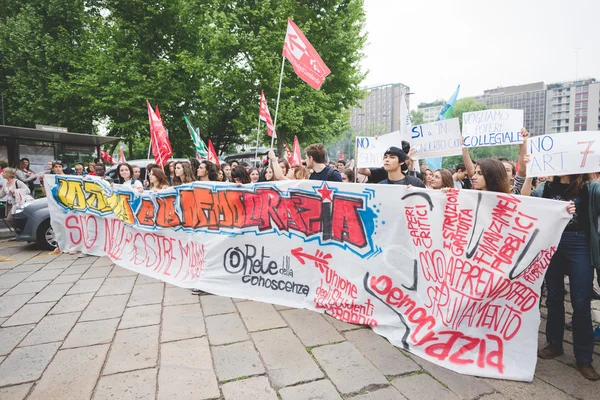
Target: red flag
[(264, 114), (106, 157), (123, 160), (296, 156), (288, 152), (304, 58), (161, 147), (341, 157), (212, 154), (157, 113)]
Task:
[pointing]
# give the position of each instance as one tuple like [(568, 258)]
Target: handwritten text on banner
[(452, 277), (436, 139), (370, 149), (492, 127), (564, 153)]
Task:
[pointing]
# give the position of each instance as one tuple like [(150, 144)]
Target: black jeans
[(572, 258)]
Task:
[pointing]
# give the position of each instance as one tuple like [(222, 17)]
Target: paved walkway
[(82, 328)]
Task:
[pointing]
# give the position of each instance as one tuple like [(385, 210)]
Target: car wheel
[(45, 235)]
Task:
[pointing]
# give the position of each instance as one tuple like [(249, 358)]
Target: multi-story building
[(573, 106), (531, 98), (379, 112), (431, 110)]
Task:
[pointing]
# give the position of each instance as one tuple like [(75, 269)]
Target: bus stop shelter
[(45, 143)]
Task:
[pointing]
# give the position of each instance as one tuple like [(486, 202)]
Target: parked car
[(32, 224), (251, 156)]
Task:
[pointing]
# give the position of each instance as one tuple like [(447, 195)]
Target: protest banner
[(492, 128), (436, 139), (370, 149), (565, 153), (453, 277)]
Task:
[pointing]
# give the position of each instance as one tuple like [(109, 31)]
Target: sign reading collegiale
[(452, 277), (492, 127)]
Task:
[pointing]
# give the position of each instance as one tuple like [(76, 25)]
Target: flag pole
[(257, 135), (149, 146), (277, 105)]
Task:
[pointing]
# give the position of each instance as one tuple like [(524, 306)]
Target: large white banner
[(492, 127), (370, 149), (564, 153), (436, 139), (452, 277)]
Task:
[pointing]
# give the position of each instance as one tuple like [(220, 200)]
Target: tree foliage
[(84, 62), (416, 117)]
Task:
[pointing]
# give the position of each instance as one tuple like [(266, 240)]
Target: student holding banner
[(578, 251), (393, 160), (316, 156)]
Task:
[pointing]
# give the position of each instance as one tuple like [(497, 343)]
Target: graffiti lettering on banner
[(492, 128), (453, 277), (565, 153)]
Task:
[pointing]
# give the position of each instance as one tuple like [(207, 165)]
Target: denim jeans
[(572, 258)]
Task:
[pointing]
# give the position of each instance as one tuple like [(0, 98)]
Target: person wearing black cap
[(393, 160)]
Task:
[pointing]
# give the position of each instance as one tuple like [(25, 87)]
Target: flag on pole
[(198, 142), (122, 155), (405, 123), (212, 154), (307, 63), (296, 155), (447, 110), (161, 147), (265, 116), (341, 157), (106, 157), (157, 113), (436, 162), (288, 152)]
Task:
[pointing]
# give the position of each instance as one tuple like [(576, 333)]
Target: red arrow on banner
[(320, 258)]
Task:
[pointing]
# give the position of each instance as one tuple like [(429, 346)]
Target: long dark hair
[(575, 186), (447, 180), (349, 173), (195, 164), (160, 176), (188, 174), (241, 174), (120, 178), (494, 173), (211, 170)]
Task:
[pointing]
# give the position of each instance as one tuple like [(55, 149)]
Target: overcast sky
[(434, 45)]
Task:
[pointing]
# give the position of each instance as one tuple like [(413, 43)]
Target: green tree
[(42, 57), (416, 117)]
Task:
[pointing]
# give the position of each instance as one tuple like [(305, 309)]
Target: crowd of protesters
[(577, 253)]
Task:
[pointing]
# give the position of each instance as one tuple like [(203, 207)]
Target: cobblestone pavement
[(82, 328)]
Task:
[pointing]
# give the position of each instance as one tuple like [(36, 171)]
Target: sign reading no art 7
[(566, 153)]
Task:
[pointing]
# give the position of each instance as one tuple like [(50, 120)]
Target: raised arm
[(364, 171), (276, 168), (467, 160), (522, 172)]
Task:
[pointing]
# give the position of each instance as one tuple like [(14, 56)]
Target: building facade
[(573, 106), (379, 112), (431, 110), (531, 98)]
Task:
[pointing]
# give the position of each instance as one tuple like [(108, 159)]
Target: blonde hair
[(11, 172)]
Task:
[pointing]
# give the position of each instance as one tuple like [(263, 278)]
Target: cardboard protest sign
[(453, 277), (370, 149), (492, 127), (436, 139), (564, 153)]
